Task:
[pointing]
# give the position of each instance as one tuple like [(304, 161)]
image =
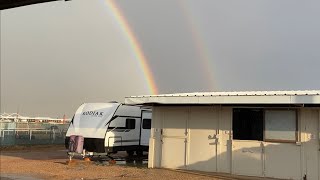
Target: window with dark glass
[(130, 123), (146, 124), (121, 123), (247, 124)]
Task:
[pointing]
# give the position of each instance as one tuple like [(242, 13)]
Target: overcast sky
[(55, 56)]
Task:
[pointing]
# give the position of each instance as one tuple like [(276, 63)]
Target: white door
[(247, 157), (174, 138), (203, 139), (145, 127), (279, 155)]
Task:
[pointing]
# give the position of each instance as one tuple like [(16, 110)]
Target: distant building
[(14, 117), (264, 134)]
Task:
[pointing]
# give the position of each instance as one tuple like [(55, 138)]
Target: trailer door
[(145, 127)]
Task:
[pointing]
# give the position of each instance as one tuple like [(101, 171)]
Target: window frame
[(281, 140), (264, 139), (253, 109)]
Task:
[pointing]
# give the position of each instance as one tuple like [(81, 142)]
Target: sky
[(56, 56)]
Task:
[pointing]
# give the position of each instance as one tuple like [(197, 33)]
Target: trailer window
[(146, 124), (117, 123), (130, 123), (247, 124)]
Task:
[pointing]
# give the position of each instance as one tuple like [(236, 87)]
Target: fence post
[(30, 134), (54, 134)]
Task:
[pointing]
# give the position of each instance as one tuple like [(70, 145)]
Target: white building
[(14, 117), (264, 134)]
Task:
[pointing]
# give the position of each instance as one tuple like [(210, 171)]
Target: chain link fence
[(14, 133)]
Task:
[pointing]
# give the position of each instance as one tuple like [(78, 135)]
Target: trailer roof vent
[(113, 102)]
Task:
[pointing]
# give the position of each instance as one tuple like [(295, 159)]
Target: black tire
[(130, 153), (139, 153)]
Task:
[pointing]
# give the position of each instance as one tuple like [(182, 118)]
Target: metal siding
[(224, 145), (245, 100), (237, 93), (305, 99), (174, 128), (310, 142), (175, 122), (282, 160), (249, 97), (247, 158), (155, 139), (173, 153), (202, 144), (252, 158), (151, 153)]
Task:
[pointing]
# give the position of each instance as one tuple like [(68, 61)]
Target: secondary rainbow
[(199, 43), (138, 52)]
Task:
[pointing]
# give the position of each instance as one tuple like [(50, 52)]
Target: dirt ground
[(49, 162)]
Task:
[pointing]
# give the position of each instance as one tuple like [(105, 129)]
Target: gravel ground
[(49, 162)]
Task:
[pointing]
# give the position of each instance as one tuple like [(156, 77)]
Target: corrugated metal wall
[(199, 138)]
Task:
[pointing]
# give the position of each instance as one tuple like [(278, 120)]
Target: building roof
[(7, 4), (241, 97)]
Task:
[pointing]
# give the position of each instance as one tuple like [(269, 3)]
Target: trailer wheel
[(139, 153), (130, 153)]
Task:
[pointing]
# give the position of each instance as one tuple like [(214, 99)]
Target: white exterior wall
[(310, 119), (225, 143), (200, 139), (155, 139)]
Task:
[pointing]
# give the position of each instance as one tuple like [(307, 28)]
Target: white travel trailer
[(111, 127)]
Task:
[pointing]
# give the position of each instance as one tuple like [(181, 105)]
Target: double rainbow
[(201, 49)]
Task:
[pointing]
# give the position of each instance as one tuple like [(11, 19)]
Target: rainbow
[(138, 52), (199, 43)]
